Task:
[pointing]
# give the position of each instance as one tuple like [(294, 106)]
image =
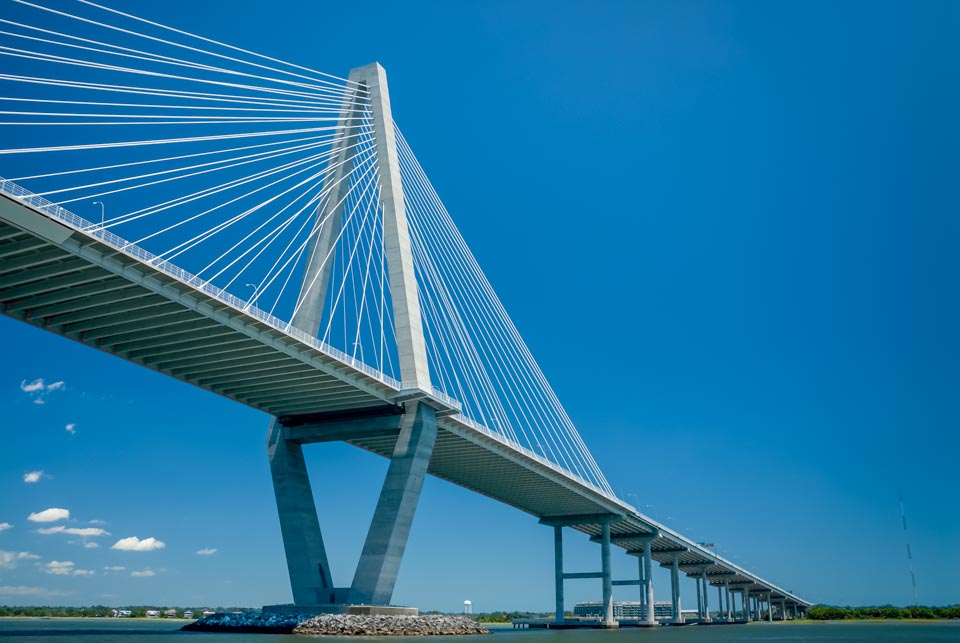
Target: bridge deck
[(58, 274)]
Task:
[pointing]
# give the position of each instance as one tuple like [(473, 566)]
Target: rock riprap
[(246, 623), (338, 625), (356, 625)]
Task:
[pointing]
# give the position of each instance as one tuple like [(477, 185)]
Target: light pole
[(102, 211)]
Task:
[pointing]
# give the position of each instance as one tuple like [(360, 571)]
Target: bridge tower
[(415, 422)]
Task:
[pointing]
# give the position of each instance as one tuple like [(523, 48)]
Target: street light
[(102, 209)]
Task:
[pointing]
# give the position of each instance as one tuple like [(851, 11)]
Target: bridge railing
[(97, 231)]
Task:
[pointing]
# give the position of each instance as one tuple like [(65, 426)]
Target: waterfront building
[(623, 610), (152, 614)]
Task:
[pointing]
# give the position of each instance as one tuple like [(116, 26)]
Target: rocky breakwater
[(357, 625), (246, 623), (338, 625)]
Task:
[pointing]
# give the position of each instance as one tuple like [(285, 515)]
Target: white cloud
[(33, 476), (24, 590), (114, 568), (8, 559), (33, 387), (38, 390), (135, 544), (49, 515), (5, 526), (58, 567), (86, 532), (98, 522), (145, 572), (208, 551), (65, 568), (90, 545), (71, 428), (51, 530)]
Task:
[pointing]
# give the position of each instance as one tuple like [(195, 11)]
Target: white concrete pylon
[(411, 347), (408, 323)]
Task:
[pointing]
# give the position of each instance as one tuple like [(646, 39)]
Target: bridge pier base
[(376, 573)]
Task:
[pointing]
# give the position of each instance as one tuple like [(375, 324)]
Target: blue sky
[(728, 233)]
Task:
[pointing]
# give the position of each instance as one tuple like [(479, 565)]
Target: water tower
[(468, 607)]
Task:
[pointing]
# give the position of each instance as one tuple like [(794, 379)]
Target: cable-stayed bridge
[(264, 231)]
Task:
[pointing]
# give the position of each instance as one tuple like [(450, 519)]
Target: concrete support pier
[(558, 571), (608, 620), (706, 600), (302, 539), (379, 563), (726, 589), (699, 598), (675, 590), (648, 582)]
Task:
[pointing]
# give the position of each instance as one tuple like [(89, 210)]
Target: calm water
[(112, 631)]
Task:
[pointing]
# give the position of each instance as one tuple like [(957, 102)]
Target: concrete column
[(558, 569), (746, 604), (605, 570), (648, 581), (302, 540), (699, 600), (382, 553), (642, 585), (769, 607), (756, 602), (675, 587), (720, 600), (706, 600), (726, 590)]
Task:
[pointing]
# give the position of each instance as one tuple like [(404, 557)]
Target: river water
[(121, 631)]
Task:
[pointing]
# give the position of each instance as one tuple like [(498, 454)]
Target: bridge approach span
[(66, 275)]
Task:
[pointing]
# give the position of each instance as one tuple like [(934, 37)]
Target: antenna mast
[(906, 536)]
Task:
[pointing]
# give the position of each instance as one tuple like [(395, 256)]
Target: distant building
[(117, 613), (622, 610), (208, 613), (152, 614), (170, 613), (188, 614)]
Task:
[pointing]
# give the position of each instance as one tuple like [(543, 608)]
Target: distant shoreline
[(806, 621), (95, 618)]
